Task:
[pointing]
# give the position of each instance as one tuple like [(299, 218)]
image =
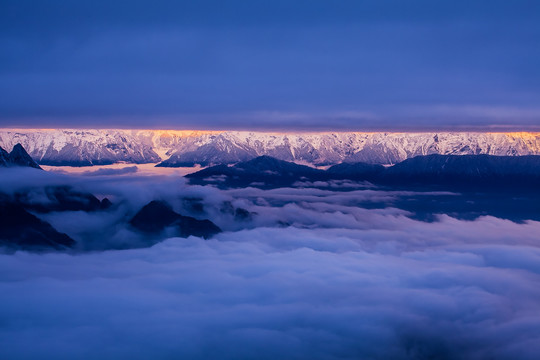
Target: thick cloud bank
[(303, 273), (445, 290)]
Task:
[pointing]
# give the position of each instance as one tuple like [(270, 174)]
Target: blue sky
[(316, 65)]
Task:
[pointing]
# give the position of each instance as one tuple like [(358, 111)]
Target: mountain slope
[(453, 170), (262, 171), (4, 158), (485, 170), (187, 148), (21, 229), (333, 148), (17, 157), (155, 216), (81, 147)]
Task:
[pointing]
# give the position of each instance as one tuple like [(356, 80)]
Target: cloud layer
[(445, 291), (311, 275)]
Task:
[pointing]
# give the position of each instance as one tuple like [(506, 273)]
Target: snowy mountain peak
[(185, 148)]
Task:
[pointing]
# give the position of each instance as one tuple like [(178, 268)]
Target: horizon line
[(502, 130)]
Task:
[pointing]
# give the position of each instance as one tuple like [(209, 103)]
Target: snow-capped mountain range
[(186, 148)]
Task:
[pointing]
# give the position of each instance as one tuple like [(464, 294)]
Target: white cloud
[(343, 282), (441, 290)]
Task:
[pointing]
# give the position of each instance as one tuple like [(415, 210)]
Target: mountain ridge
[(17, 157), (175, 148), (449, 170)]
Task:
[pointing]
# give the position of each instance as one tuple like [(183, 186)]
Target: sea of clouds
[(311, 275)]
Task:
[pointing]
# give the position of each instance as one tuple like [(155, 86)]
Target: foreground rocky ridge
[(187, 148)]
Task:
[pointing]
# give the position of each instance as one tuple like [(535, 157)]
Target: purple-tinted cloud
[(281, 293), (339, 282)]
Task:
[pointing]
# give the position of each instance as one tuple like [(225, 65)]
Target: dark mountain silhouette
[(4, 158), (261, 171), (17, 157), (467, 170), (449, 170), (60, 198), (21, 229), (154, 217), (468, 165), (270, 164)]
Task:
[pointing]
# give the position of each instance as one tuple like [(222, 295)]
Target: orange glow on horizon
[(198, 132)]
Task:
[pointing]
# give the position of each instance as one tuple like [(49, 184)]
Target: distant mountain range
[(187, 148)]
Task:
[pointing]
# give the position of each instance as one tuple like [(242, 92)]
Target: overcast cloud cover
[(380, 64), (310, 276)]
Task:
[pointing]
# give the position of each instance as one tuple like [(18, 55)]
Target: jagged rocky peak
[(333, 148), (20, 157), (17, 157), (83, 147)]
